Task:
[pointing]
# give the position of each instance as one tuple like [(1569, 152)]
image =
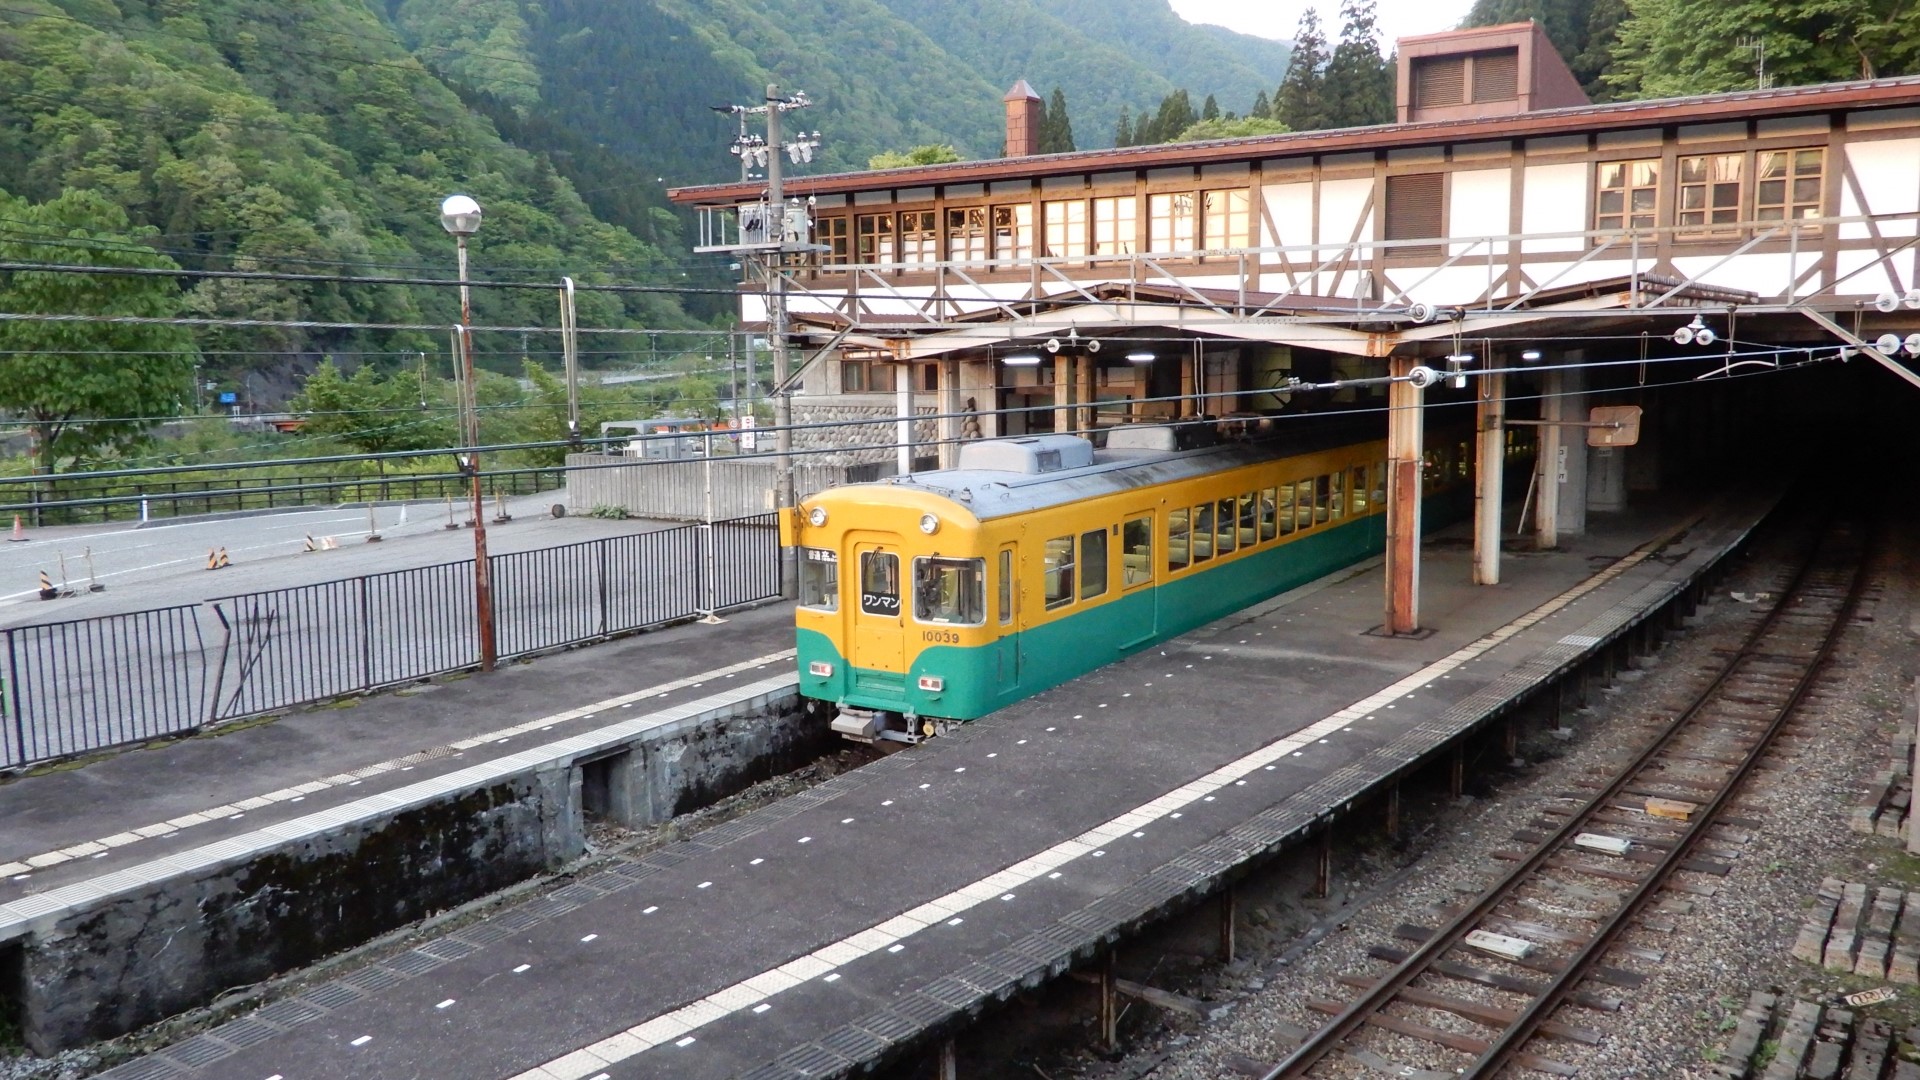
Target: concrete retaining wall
[(677, 490), (106, 956)]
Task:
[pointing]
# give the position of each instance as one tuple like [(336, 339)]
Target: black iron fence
[(55, 500), (90, 684)]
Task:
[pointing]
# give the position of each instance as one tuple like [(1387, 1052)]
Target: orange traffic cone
[(19, 530)]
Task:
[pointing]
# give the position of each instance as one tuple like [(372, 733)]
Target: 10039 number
[(943, 637)]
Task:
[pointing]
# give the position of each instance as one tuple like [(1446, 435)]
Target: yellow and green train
[(935, 598)]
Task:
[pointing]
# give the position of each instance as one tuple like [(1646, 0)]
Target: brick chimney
[(1023, 120)]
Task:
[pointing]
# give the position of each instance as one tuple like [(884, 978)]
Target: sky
[(1277, 18)]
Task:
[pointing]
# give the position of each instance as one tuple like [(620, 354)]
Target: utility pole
[(779, 234)]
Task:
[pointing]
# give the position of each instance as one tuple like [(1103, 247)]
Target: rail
[(1815, 591)]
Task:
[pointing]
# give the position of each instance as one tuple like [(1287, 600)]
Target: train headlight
[(819, 668), (929, 524), (817, 516), (932, 684)]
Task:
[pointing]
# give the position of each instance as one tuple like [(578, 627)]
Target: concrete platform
[(877, 912)]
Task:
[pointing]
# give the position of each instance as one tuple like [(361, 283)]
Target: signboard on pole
[(747, 438)]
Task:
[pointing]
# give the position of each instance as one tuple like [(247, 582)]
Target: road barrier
[(83, 685)]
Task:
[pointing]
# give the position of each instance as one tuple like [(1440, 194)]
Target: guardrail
[(85, 685)]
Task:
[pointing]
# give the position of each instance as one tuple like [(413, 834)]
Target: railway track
[(1524, 966)]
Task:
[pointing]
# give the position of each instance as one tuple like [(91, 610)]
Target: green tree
[(1358, 89), (1301, 101), (1262, 108), (1056, 128), (931, 154), (1231, 128), (1669, 47), (1123, 131), (1210, 109), (376, 414), (87, 388)]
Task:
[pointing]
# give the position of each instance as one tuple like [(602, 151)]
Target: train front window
[(1057, 564), (951, 591), (879, 583), (819, 579)]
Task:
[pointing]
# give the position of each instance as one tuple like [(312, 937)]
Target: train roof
[(1036, 472)]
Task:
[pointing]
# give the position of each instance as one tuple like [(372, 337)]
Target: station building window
[(1136, 545), (1093, 563), (1013, 231), (919, 237), (831, 233), (949, 591), (1057, 567), (1115, 220), (1415, 211), (1065, 222), (1173, 221), (1226, 219), (967, 235), (1709, 195), (873, 238), (1787, 184), (865, 377), (1626, 194)]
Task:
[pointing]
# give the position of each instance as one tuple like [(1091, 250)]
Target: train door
[(1140, 600), (1006, 602), (879, 631)]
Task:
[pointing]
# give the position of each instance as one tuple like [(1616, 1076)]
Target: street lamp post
[(460, 215)]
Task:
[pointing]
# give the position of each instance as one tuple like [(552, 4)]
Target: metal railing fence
[(57, 501), (92, 684)]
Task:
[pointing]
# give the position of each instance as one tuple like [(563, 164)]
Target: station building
[(1504, 224)]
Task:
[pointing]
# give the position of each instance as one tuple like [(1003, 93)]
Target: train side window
[(1357, 491), (1322, 500), (1379, 483), (1303, 504), (950, 591), (1223, 517), (1177, 543), (1057, 562), (1286, 508), (879, 583), (1136, 552), (1249, 532), (1093, 563), (1267, 504), (1006, 586), (819, 579), (1203, 532), (1337, 507)]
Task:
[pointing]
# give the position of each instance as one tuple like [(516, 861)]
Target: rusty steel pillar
[(1404, 402), (1489, 466), (1187, 366)]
